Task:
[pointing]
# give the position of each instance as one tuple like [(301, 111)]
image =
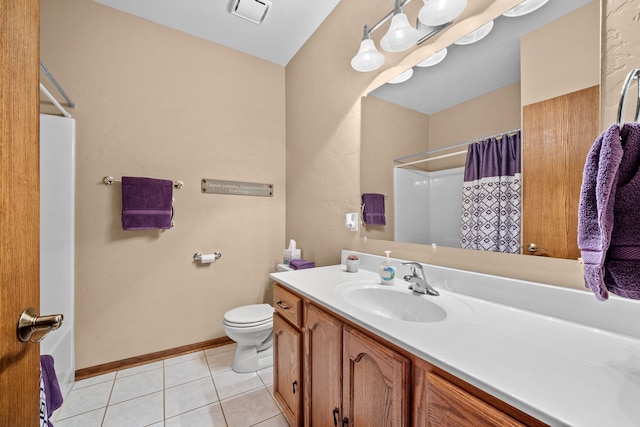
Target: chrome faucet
[(418, 283)]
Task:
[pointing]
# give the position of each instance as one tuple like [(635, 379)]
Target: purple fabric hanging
[(491, 196), (146, 203), (373, 209)]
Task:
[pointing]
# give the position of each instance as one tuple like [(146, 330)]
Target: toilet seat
[(249, 316)]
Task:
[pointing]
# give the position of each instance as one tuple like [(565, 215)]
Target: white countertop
[(561, 371)]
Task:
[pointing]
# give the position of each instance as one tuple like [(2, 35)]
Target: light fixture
[(368, 58), (401, 35), (439, 12), (476, 35), (402, 77), (434, 59), (527, 6)]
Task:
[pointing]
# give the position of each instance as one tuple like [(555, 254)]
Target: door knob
[(532, 247), (32, 327)]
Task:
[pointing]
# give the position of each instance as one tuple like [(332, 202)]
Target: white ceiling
[(467, 72), (287, 26)]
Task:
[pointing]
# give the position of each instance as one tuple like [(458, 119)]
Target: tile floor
[(195, 389)]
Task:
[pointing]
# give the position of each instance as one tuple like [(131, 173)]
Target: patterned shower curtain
[(491, 195)]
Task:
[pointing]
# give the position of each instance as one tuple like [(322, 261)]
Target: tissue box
[(289, 254)]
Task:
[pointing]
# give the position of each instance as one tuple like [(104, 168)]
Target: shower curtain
[(491, 195)]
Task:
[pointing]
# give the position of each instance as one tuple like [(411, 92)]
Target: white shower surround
[(427, 206), (57, 206)]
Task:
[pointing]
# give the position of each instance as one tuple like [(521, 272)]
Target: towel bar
[(633, 75), (108, 180)]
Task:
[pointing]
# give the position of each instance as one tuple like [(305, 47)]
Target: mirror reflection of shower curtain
[(491, 195)]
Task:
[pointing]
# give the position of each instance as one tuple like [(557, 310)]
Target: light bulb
[(434, 59), (403, 77), (368, 58), (476, 35), (527, 6), (401, 35), (439, 12)]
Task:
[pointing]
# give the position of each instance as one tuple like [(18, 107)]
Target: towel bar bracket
[(109, 180)]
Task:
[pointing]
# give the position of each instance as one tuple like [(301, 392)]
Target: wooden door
[(19, 209), (323, 373), (375, 383), (557, 135), (287, 354)]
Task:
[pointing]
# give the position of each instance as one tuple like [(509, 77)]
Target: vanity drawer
[(287, 305)]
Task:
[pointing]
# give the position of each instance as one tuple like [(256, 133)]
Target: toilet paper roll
[(208, 258)]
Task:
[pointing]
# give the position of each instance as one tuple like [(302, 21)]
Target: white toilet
[(251, 326)]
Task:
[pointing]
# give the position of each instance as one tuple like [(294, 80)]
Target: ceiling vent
[(251, 10)]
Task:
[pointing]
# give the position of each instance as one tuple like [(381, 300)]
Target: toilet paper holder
[(198, 256)]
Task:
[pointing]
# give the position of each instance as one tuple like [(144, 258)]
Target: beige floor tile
[(231, 383), (189, 396), (138, 412), (249, 408), (207, 416), (136, 385), (266, 375), (85, 399), (183, 358), (277, 421), (140, 369), (94, 380), (185, 372), (88, 419), (221, 362)]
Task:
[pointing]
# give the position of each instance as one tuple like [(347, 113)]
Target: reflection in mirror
[(475, 92)]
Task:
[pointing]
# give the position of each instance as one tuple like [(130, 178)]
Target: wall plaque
[(218, 186)]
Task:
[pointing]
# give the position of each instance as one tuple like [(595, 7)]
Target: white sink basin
[(399, 303)]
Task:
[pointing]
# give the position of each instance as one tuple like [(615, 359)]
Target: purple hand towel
[(146, 203), (373, 209), (608, 228), (53, 395), (301, 264)]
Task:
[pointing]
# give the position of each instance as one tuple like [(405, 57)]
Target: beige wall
[(620, 54), (156, 102), (388, 131), (556, 61)]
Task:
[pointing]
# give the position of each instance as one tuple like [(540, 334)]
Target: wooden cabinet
[(352, 378), (287, 369), (376, 383), (323, 373)]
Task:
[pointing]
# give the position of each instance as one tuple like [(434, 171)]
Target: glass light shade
[(401, 35), (368, 58), (434, 59), (403, 77), (439, 12), (476, 35), (527, 6)]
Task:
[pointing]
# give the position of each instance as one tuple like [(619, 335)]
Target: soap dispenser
[(387, 271)]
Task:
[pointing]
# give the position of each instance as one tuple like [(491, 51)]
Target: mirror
[(479, 90)]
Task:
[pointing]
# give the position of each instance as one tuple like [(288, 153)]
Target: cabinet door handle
[(282, 306), (295, 383), (345, 422), (336, 411)]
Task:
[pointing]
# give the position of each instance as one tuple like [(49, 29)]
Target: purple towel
[(301, 264), (53, 395), (608, 226), (146, 203), (373, 209)]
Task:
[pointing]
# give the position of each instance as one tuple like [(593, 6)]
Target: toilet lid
[(247, 314)]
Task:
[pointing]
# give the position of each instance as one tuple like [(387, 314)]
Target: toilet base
[(249, 359)]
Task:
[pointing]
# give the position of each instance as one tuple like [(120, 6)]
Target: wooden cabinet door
[(376, 383), (287, 369), (443, 405), (323, 374), (556, 137), (19, 200)]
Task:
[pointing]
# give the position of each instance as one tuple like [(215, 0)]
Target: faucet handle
[(416, 268)]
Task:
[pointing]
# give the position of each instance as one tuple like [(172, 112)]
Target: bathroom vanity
[(487, 351)]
